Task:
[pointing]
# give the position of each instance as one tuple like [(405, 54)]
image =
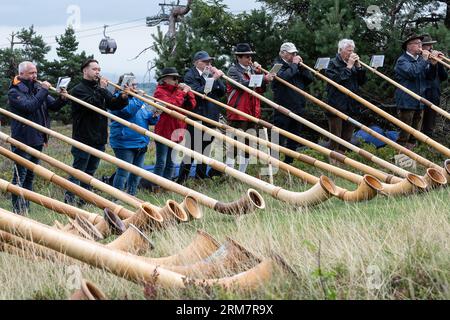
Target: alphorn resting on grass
[(381, 162), (190, 205), (367, 185), (401, 149), (249, 202), (125, 265), (394, 185), (317, 194)]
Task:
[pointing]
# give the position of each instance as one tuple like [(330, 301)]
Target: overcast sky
[(50, 18)]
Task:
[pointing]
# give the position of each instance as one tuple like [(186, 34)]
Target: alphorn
[(252, 200), (426, 102), (394, 186), (231, 257), (200, 248), (88, 291), (440, 59), (30, 250), (49, 203), (325, 133), (171, 209), (320, 192), (417, 134), (125, 265), (151, 216), (368, 186), (432, 177)]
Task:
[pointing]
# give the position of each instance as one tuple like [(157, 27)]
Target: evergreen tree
[(68, 65)]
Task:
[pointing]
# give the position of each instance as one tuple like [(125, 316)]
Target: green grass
[(396, 248)]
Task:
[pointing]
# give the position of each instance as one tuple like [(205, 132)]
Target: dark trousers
[(23, 178), (341, 128), (244, 126), (86, 163), (429, 115), (200, 142), (413, 118), (291, 125), (429, 122)]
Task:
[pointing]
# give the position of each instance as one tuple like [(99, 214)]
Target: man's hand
[(217, 74), (257, 66), (103, 83), (353, 60), (63, 93), (269, 77), (297, 60), (184, 87), (45, 85), (437, 54), (426, 55)]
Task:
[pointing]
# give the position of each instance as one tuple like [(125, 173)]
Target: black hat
[(243, 48), (410, 37), (427, 39), (87, 63), (166, 72)]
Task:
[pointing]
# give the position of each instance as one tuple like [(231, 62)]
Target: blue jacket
[(350, 79), (414, 75), (433, 90), (205, 108), (295, 75), (137, 112), (30, 101)]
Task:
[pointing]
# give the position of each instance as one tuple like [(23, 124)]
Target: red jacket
[(167, 126), (241, 100)]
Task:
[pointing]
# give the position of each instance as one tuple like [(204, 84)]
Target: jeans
[(85, 162), (164, 166), (23, 178), (123, 177)]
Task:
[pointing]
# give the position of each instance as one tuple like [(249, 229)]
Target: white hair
[(23, 66), (344, 43)]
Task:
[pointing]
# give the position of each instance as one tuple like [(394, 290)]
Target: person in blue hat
[(197, 140)]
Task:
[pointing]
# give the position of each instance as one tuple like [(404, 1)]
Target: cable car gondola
[(107, 45)]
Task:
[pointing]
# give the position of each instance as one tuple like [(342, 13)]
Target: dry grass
[(382, 249)]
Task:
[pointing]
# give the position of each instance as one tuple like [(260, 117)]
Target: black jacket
[(295, 75), (205, 108), (90, 127), (433, 90), (30, 101), (351, 79)]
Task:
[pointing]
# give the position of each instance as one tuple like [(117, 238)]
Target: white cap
[(288, 47)]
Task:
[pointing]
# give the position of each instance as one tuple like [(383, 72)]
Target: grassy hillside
[(395, 248)]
